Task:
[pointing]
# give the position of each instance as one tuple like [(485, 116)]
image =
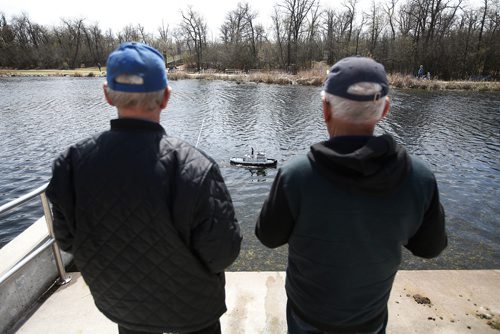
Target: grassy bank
[(409, 82), (310, 78), (316, 78), (79, 72)]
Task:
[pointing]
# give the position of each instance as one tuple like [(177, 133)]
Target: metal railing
[(50, 242)]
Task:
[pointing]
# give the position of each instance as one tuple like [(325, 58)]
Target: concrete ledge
[(22, 245), (20, 292), (459, 302)]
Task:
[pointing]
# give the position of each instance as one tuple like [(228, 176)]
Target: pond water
[(456, 133)]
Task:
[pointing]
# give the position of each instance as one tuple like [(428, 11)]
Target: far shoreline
[(305, 78)]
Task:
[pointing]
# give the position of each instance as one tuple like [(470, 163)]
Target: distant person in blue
[(347, 207), (147, 217), (421, 72)]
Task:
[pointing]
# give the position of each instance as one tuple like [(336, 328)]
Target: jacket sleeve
[(430, 239), (61, 195), (275, 222), (216, 236)]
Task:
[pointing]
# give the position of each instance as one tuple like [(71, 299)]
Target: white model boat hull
[(253, 163)]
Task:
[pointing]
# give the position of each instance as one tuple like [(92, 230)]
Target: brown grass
[(317, 76), (312, 77), (259, 77), (79, 72), (409, 82)]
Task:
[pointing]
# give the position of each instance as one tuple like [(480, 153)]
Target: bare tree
[(7, 43), (358, 31), (375, 22), (164, 38), (312, 40), (350, 14), (179, 43), (338, 29), (195, 30), (280, 35), (329, 24), (101, 50), (240, 36), (467, 27), (389, 9), (144, 38), (483, 20), (129, 33), (74, 29), (293, 14)]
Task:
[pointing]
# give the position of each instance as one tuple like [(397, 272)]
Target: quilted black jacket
[(151, 226)]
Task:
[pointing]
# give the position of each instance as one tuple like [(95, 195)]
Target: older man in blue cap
[(147, 217), (346, 208)]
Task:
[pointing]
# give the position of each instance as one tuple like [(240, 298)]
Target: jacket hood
[(367, 164)]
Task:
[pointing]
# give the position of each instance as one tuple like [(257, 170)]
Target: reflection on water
[(456, 133)]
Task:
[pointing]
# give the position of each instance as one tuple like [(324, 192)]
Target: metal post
[(64, 278)]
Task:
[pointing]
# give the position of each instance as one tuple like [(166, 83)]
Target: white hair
[(147, 101), (358, 112)]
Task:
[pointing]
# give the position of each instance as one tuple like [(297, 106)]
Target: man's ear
[(106, 95), (326, 110), (387, 107), (166, 97)]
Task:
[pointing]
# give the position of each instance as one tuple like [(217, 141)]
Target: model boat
[(258, 159)]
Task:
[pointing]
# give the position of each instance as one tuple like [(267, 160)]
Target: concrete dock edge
[(429, 301)]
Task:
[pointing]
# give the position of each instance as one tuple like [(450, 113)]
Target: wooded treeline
[(451, 39)]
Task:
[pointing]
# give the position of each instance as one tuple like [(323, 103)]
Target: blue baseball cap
[(140, 60), (352, 70)]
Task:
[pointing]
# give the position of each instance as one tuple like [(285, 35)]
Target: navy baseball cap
[(352, 70), (140, 60)]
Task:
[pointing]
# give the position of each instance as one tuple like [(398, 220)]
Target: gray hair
[(359, 112), (147, 101)]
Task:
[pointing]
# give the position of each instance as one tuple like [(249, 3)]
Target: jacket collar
[(347, 144), (134, 124), (369, 164)]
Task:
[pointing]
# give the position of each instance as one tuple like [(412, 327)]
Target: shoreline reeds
[(313, 77)]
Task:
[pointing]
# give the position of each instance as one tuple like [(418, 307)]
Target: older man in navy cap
[(346, 208), (147, 217)]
